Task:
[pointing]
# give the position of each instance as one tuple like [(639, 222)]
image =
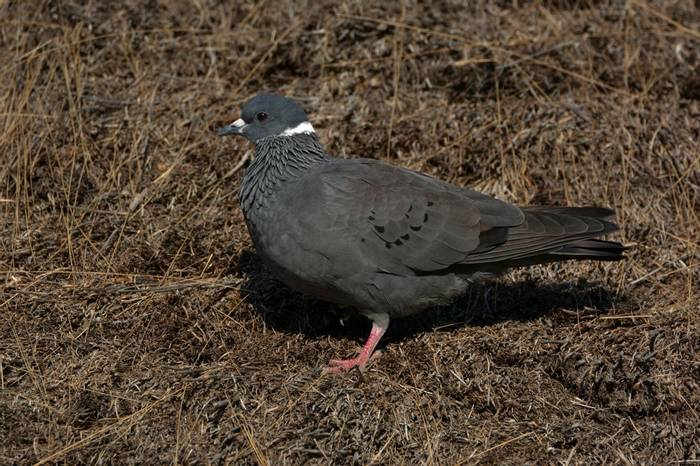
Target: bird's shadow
[(489, 303)]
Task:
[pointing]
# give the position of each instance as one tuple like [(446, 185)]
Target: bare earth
[(137, 325)]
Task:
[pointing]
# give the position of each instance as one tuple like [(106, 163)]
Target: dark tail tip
[(595, 249)]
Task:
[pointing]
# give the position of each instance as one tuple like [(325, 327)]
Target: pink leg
[(379, 326)]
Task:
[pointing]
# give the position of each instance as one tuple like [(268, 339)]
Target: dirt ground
[(139, 327)]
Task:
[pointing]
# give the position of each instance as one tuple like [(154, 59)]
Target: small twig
[(265, 57), (638, 316), (398, 49), (246, 157), (132, 419), (535, 55), (661, 267), (503, 444), (663, 17), (645, 276), (155, 288)]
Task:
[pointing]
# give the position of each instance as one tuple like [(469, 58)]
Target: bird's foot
[(338, 366), (379, 324)]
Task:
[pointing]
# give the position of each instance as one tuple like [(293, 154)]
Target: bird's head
[(269, 115)]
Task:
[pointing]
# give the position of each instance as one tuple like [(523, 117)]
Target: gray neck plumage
[(278, 159)]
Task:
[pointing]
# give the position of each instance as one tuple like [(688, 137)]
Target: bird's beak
[(237, 127)]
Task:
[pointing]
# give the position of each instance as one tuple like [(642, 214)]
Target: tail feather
[(601, 213), (595, 249), (554, 234)]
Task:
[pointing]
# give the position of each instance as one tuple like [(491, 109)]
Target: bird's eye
[(262, 116)]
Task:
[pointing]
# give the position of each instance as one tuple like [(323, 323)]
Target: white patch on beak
[(301, 128), (238, 123)]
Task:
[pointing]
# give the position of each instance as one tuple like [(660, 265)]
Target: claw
[(337, 366)]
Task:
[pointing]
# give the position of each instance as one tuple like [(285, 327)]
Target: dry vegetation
[(138, 326)]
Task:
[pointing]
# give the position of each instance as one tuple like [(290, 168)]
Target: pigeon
[(385, 241)]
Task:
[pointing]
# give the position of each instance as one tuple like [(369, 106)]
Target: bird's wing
[(400, 218)]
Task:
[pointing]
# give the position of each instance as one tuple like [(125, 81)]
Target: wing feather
[(399, 218)]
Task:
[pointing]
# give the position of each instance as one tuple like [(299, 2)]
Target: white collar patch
[(301, 128)]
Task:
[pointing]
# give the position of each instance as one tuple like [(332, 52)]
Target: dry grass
[(139, 327)]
